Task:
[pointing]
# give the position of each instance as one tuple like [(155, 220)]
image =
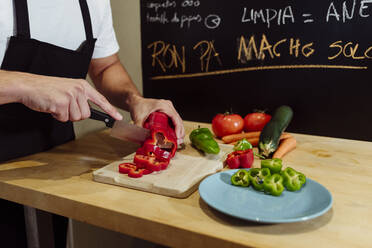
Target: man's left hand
[(142, 107)]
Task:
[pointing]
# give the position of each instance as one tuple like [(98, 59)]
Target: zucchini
[(270, 135)]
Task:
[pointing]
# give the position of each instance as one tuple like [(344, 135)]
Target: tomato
[(225, 124), (256, 121)]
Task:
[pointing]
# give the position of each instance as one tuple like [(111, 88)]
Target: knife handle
[(100, 116)]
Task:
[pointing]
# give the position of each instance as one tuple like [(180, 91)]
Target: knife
[(121, 129)]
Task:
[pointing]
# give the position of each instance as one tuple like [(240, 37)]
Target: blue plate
[(311, 201)]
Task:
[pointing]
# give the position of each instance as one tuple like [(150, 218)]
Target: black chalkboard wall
[(211, 56)]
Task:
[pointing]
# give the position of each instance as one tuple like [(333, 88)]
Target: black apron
[(22, 130)]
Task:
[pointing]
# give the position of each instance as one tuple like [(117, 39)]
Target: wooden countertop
[(60, 181)]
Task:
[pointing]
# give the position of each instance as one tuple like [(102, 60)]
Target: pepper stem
[(259, 156)]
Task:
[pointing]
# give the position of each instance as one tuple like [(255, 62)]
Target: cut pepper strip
[(163, 138), (150, 150), (257, 177), (124, 168), (274, 165), (240, 178), (136, 173), (273, 185), (150, 163), (292, 179)]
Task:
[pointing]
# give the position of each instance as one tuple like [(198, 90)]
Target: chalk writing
[(255, 48), (307, 18), (252, 51), (347, 12), (208, 52), (157, 18), (163, 5), (163, 13), (190, 3), (162, 51), (259, 68), (350, 50), (212, 21), (268, 16)]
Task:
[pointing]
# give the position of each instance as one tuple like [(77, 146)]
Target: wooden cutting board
[(180, 179)]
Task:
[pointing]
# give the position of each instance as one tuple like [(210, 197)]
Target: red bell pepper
[(124, 168), (136, 173), (157, 120), (233, 160), (240, 159), (132, 170), (162, 133), (140, 160), (153, 150), (157, 150), (150, 163)]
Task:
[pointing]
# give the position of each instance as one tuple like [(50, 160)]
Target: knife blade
[(121, 129)]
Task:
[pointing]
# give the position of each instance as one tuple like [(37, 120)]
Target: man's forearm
[(9, 85), (115, 83)]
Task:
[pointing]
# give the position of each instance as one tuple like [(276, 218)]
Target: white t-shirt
[(60, 22)]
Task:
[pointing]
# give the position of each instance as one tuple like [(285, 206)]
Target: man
[(46, 49)]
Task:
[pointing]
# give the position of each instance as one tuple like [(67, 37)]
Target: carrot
[(238, 136), (254, 141), (285, 146)]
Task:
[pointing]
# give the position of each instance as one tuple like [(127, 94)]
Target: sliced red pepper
[(146, 172), (162, 133), (124, 168), (136, 173), (141, 161), (240, 159), (155, 164), (150, 149), (158, 149), (165, 139), (150, 163)]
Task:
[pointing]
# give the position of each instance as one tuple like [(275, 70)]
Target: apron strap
[(23, 24), (86, 18)]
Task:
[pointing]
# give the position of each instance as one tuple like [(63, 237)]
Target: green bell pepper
[(273, 185), (274, 165), (202, 139), (292, 179), (257, 176), (240, 178), (242, 145)]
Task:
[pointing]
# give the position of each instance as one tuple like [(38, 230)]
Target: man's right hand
[(66, 99)]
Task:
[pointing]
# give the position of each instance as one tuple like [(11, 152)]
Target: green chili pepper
[(257, 176), (242, 145), (274, 165), (202, 139), (273, 185), (240, 178), (292, 179)]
